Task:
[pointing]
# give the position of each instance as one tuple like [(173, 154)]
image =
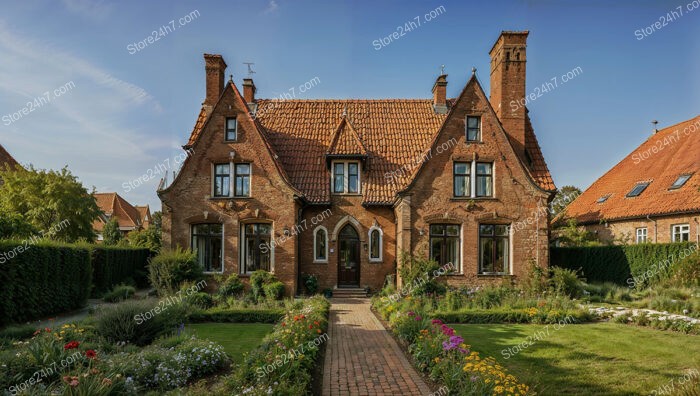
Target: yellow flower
[(436, 360)]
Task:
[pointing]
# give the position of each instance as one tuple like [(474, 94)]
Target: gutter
[(656, 228)]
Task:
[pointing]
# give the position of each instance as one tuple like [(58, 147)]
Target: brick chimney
[(440, 94), (249, 90), (508, 85), (215, 69)]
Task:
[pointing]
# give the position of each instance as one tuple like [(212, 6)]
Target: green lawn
[(589, 359), (236, 338)]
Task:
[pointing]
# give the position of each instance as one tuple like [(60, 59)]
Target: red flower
[(71, 345), (37, 332), (283, 324), (47, 330), (91, 354), (311, 326)]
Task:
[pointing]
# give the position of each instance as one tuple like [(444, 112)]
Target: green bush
[(566, 282), (231, 287), (119, 293), (628, 265), (257, 280), (139, 322), (114, 265), (311, 283), (169, 269), (420, 275), (504, 315), (686, 272), (274, 290), (200, 300), (42, 279), (220, 315)]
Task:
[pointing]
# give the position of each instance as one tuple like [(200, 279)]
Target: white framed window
[(207, 243), (242, 177), (680, 232), (473, 128), (346, 177), (376, 240), (494, 249), (320, 245), (641, 235), (231, 129), (473, 179), (445, 241), (222, 180), (231, 177), (256, 247)]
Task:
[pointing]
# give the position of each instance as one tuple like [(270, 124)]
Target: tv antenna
[(250, 69)]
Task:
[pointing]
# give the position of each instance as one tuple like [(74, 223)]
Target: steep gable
[(6, 159), (346, 142), (113, 205), (660, 160)]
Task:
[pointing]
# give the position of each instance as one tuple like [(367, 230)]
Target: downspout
[(697, 232), (298, 250), (655, 228)]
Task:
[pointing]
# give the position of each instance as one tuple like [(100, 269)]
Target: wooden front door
[(348, 257)]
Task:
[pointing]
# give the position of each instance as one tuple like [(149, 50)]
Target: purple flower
[(418, 318), (474, 378), (411, 313), (436, 322)]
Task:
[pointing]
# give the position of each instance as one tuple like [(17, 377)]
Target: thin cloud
[(91, 9), (271, 7)]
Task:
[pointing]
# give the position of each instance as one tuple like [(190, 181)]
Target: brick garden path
[(362, 358)]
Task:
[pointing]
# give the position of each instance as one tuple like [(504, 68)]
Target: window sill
[(493, 275), (347, 194), (474, 198), (225, 198), (376, 261), (320, 262), (213, 272)]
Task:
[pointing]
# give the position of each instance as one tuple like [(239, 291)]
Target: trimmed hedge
[(237, 316), (114, 265), (507, 316), (42, 279), (617, 264)]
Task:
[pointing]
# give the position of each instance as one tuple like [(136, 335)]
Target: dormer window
[(638, 189), (346, 177), (603, 198), (231, 129), (680, 182), (473, 129)]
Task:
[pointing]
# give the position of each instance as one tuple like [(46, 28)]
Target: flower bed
[(444, 355), (284, 363)]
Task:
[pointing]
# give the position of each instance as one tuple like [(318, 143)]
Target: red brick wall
[(188, 201), (516, 196), (625, 231)]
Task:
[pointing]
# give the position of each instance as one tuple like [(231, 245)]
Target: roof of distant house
[(668, 163), (113, 205), (6, 158)]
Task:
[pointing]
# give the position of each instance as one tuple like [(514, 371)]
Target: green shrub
[(311, 283), (169, 269), (118, 265), (686, 272), (139, 322), (119, 293), (628, 265), (18, 332), (274, 290), (504, 315), (241, 315), (200, 300), (42, 279), (420, 275), (231, 287), (258, 279), (566, 282)]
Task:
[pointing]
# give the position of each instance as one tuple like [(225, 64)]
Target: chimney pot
[(440, 94), (249, 90), (215, 69)]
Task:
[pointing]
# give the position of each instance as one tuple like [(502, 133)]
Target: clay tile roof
[(394, 134), (661, 159), (538, 167), (197, 130), (345, 141), (113, 205), (6, 158)]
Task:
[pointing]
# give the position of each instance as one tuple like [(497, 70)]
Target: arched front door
[(348, 257)]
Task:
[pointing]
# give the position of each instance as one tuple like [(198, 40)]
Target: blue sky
[(125, 113)]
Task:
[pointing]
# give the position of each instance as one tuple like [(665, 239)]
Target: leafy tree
[(110, 233), (564, 197), (150, 237), (573, 235), (14, 226), (54, 202)]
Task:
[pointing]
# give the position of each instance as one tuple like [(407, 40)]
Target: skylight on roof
[(638, 189), (603, 198), (680, 181)]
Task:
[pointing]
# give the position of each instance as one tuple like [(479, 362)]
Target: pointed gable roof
[(661, 159), (113, 205), (6, 159), (346, 142)]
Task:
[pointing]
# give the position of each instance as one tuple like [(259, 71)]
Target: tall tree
[(150, 237), (54, 202), (564, 197), (110, 232)]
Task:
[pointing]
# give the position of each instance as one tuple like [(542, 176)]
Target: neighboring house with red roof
[(129, 217), (652, 195), (341, 188), (6, 159)]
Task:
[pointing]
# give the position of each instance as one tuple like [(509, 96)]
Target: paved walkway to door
[(362, 358)]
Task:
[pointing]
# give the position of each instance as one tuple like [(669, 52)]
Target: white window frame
[(242, 246), (233, 179), (235, 130), (473, 179), (223, 247), (641, 234), (213, 180), (466, 128), (316, 259), (680, 229), (346, 178), (381, 243)]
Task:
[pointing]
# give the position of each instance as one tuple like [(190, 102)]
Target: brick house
[(340, 188), (6, 159), (652, 195), (129, 217)]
